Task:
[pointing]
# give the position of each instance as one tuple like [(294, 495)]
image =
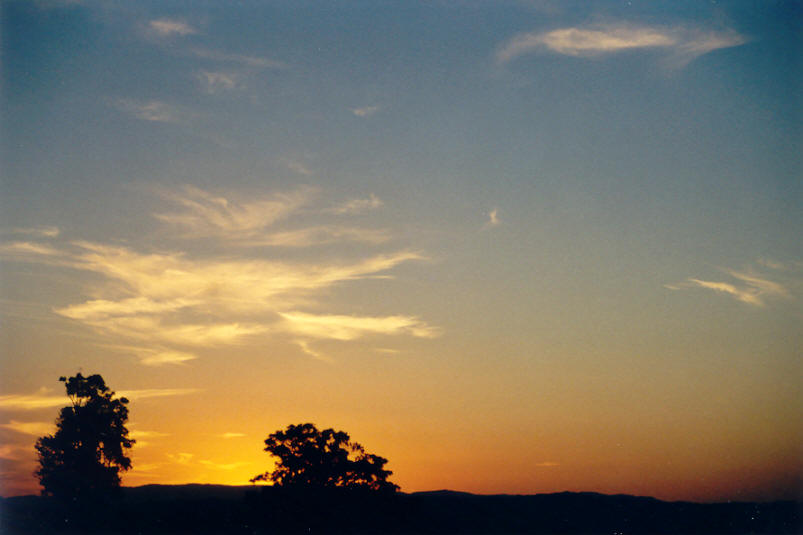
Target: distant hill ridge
[(226, 491), (204, 508)]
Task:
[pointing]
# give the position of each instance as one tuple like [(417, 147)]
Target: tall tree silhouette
[(311, 458), (86, 454)]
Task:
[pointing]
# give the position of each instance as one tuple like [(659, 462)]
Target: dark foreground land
[(223, 509)]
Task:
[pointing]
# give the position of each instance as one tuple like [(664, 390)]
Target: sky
[(513, 247)]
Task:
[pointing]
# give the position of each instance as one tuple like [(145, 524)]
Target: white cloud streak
[(166, 282), (748, 287), (31, 402), (161, 357), (30, 428), (357, 206), (147, 393), (41, 232), (154, 355), (39, 401), (341, 327), (762, 286), (170, 27), (26, 248), (685, 44)]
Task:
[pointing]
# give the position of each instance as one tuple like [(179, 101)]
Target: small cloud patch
[(365, 111), (170, 27)]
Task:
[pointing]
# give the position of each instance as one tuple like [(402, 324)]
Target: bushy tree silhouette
[(310, 458), (86, 454)]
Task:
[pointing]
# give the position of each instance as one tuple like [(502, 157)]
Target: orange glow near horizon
[(546, 454)]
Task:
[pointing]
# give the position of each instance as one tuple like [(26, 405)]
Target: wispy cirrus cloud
[(744, 286), (231, 435), (342, 327), (153, 354), (682, 42), (31, 402), (207, 214), (30, 428), (321, 235), (165, 307), (40, 232), (98, 309), (147, 393), (165, 299), (167, 27), (247, 223), (305, 346), (244, 60), (43, 401), (160, 357), (159, 329), (151, 110), (357, 206), (27, 248), (164, 282)]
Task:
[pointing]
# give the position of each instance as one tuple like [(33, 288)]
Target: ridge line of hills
[(215, 490), (262, 509)]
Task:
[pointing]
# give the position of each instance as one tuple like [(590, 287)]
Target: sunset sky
[(514, 247)]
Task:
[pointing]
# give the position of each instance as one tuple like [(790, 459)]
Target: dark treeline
[(258, 510)]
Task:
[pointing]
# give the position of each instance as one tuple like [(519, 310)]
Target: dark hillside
[(257, 510), (192, 491)]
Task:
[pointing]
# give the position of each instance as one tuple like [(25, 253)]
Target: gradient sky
[(514, 247)]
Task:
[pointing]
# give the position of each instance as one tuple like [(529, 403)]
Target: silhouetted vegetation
[(83, 459), (245, 510), (312, 459)]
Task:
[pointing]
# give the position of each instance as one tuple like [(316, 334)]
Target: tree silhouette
[(86, 454), (310, 458)]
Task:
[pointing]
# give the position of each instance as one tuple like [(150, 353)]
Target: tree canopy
[(310, 458), (86, 454)]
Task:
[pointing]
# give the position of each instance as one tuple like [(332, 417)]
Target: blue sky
[(425, 211)]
